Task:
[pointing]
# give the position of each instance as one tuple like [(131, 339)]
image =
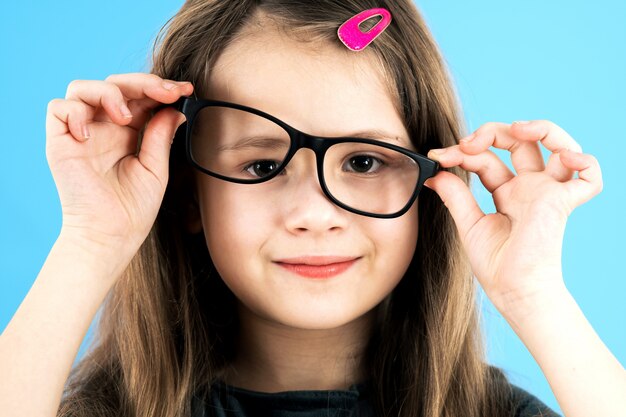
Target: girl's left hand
[(515, 253)]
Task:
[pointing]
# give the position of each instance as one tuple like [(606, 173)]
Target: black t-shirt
[(228, 401)]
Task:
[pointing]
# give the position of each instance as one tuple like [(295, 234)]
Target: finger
[(157, 140), (69, 116), (148, 91), (142, 111), (100, 94), (589, 181), (140, 85), (489, 168), (553, 137), (112, 142), (114, 99), (525, 157), (557, 170), (458, 198)]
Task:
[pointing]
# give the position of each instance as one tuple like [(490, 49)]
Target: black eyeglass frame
[(191, 106)]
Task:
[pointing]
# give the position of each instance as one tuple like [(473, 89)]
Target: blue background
[(563, 61)]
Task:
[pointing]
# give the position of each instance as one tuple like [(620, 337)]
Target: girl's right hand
[(110, 197)]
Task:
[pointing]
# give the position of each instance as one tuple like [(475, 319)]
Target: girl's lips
[(317, 267)]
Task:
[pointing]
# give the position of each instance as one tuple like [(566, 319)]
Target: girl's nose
[(305, 206)]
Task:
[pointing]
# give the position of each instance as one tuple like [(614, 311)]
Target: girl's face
[(249, 227)]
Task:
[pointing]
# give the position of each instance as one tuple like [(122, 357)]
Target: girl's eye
[(362, 164), (261, 168)]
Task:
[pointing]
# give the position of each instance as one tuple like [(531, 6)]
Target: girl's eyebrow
[(263, 142), (383, 136), (374, 134)]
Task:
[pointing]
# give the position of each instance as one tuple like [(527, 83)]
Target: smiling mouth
[(317, 267)]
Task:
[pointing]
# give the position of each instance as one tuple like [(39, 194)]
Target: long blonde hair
[(166, 329)]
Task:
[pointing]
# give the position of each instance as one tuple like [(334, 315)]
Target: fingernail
[(435, 153), (86, 133), (125, 111), (168, 85), (521, 122)]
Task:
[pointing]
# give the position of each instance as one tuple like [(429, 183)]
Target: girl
[(255, 280)]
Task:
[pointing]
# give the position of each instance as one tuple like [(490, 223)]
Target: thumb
[(157, 139), (457, 197)]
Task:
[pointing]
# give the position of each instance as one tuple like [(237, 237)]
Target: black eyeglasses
[(244, 145)]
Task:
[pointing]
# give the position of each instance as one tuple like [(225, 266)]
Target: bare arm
[(41, 341), (516, 252), (110, 197), (585, 377)]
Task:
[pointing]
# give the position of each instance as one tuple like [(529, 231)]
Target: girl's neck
[(272, 357)]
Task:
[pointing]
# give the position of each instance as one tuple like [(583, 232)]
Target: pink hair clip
[(351, 35)]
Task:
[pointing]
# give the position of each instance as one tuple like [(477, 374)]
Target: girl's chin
[(312, 316)]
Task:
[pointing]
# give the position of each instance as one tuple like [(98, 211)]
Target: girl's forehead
[(320, 89)]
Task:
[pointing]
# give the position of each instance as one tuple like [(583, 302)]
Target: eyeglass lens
[(242, 145)]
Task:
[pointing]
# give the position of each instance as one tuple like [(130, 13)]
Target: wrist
[(523, 308), (105, 259), (92, 244), (584, 376)]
